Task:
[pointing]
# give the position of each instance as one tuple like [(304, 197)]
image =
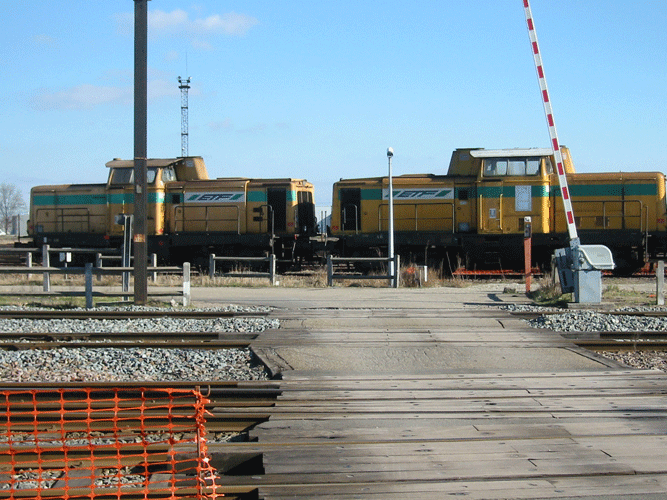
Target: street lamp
[(392, 263)]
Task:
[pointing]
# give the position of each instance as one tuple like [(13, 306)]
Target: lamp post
[(392, 262)]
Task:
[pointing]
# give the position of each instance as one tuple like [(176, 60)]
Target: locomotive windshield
[(121, 176), (496, 167)]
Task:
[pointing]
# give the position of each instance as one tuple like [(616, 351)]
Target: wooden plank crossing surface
[(583, 430)]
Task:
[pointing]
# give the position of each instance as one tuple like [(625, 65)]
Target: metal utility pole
[(140, 150), (184, 85), (392, 262)]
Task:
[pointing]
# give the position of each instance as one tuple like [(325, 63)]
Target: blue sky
[(319, 90)]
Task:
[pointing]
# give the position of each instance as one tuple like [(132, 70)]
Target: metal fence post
[(211, 265), (89, 285), (272, 269), (46, 263), (186, 284), (329, 270)]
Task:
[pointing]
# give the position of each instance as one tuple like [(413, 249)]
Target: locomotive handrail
[(356, 218), (416, 217), (182, 220), (61, 217), (643, 225)]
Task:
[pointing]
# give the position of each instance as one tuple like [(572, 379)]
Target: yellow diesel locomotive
[(474, 216), (188, 214)]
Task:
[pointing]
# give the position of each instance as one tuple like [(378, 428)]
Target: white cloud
[(223, 125), (201, 45), (172, 55), (44, 40), (83, 96), (178, 22), (230, 24), (160, 21), (87, 96)]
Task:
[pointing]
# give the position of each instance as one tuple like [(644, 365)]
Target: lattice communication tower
[(184, 85)]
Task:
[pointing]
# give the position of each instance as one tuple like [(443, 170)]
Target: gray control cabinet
[(580, 271)]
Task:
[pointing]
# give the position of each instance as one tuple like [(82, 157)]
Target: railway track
[(198, 340), (123, 314), (620, 341), (94, 440)]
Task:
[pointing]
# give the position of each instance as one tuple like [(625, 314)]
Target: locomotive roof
[(150, 162), (505, 153)]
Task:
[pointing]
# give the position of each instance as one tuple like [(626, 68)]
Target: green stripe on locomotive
[(45, 200)]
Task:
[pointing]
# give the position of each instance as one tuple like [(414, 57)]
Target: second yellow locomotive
[(474, 215)]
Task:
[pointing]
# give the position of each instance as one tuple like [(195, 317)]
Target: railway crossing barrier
[(271, 260), (393, 279)]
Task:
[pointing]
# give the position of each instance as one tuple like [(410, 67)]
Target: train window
[(168, 174), (122, 176), (532, 166), (126, 176), (494, 167), (548, 167)]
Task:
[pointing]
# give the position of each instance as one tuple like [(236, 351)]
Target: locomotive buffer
[(579, 266)]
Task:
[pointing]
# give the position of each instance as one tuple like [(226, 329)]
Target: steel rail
[(123, 314)]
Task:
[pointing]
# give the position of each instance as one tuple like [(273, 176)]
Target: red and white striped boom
[(562, 179)]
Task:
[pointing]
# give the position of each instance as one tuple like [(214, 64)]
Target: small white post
[(46, 263), (329, 270), (98, 264), (89, 285), (272, 269), (660, 283), (28, 262), (186, 284), (154, 264), (211, 265)]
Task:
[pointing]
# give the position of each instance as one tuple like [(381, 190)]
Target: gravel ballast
[(106, 364), (591, 321)]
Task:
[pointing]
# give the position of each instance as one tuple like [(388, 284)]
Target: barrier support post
[(46, 263)]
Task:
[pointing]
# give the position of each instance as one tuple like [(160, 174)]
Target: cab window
[(120, 176), (495, 167), (168, 174)]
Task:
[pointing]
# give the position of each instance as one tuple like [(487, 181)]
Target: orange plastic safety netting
[(104, 442)]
